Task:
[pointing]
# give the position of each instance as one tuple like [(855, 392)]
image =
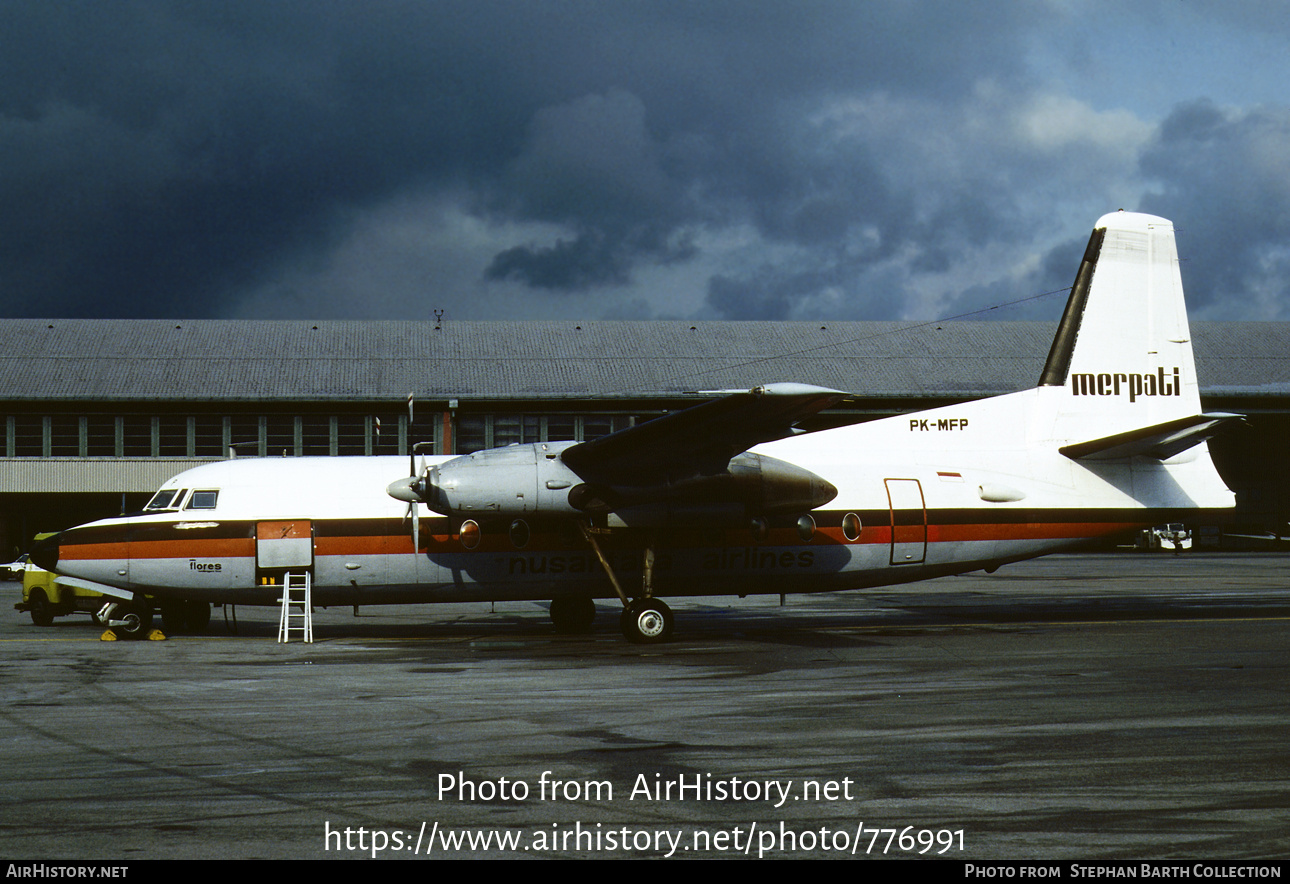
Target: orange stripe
[(92, 551), (160, 549), (364, 545), (401, 544), (881, 534)]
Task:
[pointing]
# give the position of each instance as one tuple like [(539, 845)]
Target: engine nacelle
[(513, 481), (522, 480)]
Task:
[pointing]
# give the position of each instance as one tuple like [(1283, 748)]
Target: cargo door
[(281, 547)]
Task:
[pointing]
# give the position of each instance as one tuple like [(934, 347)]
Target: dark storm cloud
[(158, 156), (161, 158), (592, 166), (1224, 177)]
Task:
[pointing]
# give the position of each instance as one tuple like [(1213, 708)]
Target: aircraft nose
[(44, 553)]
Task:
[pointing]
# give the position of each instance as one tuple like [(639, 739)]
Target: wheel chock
[(155, 635)]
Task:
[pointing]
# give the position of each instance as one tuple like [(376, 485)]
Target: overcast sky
[(631, 160)]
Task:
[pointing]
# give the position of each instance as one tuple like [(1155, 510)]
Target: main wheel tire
[(42, 612), (572, 613), (138, 621), (647, 622)]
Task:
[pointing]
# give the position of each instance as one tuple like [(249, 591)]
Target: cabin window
[(805, 528), (851, 527), (469, 534), (202, 500), (520, 534)]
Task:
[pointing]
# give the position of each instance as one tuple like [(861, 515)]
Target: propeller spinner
[(412, 490)]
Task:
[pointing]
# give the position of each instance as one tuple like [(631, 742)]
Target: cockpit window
[(202, 500), (166, 498)]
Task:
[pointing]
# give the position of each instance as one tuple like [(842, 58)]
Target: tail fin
[(1123, 353)]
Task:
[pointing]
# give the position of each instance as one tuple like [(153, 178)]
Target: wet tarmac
[(1121, 706)]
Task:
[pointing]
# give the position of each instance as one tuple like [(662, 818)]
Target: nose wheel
[(647, 621), (129, 620)]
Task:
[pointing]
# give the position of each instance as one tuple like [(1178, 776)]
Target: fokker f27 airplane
[(726, 497)]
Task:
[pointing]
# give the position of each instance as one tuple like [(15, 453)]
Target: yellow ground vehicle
[(45, 598)]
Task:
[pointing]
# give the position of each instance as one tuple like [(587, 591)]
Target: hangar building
[(98, 413)]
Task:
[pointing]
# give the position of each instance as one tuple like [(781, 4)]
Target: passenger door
[(908, 521)]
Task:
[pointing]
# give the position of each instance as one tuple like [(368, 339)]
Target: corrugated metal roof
[(216, 360)]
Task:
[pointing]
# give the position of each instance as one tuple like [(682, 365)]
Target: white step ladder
[(297, 608)]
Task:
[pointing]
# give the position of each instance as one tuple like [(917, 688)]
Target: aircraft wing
[(699, 440), (1160, 440)]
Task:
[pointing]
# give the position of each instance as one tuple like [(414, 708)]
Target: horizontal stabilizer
[(1159, 440)]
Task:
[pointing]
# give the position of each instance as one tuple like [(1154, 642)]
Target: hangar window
[(508, 429), (479, 431), (244, 435), (136, 435), (28, 435), (280, 435), (100, 435), (172, 436), (561, 428), (316, 435), (472, 433), (351, 434), (386, 432), (596, 425), (208, 436), (64, 435)]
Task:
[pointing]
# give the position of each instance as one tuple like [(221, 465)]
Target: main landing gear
[(645, 620)]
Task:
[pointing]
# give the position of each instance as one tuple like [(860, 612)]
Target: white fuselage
[(944, 491)]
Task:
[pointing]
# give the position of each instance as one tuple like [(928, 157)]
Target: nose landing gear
[(129, 620)]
